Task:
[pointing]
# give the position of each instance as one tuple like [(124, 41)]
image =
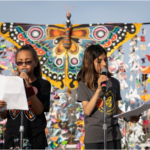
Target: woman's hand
[(26, 79), (101, 79), (2, 103), (135, 119)]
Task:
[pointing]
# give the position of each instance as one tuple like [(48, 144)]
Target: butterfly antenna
[(71, 8), (146, 23), (66, 8)]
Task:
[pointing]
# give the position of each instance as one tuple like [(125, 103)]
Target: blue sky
[(53, 12), (84, 12)]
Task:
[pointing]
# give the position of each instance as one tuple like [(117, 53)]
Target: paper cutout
[(148, 80), (79, 145), (53, 145), (80, 122), (146, 70), (144, 91), (143, 39), (64, 131), (59, 141), (145, 122), (49, 123), (56, 126), (58, 120), (144, 77), (143, 47), (54, 138), (143, 60), (146, 130), (70, 105), (63, 138), (82, 139), (131, 78), (63, 118), (143, 31), (53, 120), (145, 97), (148, 57), (64, 142)]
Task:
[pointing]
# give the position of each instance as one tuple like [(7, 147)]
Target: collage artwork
[(60, 48)]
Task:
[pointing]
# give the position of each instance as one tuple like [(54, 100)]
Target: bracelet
[(125, 119), (30, 91)]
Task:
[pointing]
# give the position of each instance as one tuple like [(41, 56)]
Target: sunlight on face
[(100, 62), (25, 56)]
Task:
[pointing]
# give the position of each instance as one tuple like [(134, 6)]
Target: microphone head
[(24, 70), (104, 70)]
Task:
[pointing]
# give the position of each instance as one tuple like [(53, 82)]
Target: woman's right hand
[(2, 103), (101, 79)]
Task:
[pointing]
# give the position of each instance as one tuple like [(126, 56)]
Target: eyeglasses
[(19, 63)]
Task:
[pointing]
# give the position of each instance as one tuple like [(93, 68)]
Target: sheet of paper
[(12, 91), (134, 112)]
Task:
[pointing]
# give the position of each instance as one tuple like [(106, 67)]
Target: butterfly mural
[(60, 47)]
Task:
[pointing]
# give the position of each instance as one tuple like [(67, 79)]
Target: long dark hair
[(88, 74), (37, 70)]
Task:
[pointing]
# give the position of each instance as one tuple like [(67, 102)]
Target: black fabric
[(37, 142), (110, 145), (33, 124), (94, 122)]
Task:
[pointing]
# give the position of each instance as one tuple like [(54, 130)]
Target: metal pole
[(105, 125), (21, 130)]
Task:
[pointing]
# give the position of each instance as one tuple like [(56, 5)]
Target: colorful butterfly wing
[(109, 36), (54, 61), (53, 67), (21, 34), (73, 66), (14, 113), (81, 35), (47, 41), (54, 35), (30, 114)]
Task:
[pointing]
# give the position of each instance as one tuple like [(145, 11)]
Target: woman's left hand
[(26, 79), (135, 119)]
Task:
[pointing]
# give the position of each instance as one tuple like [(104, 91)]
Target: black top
[(33, 124), (94, 122)]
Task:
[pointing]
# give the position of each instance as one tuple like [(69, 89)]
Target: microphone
[(24, 70), (104, 84)]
